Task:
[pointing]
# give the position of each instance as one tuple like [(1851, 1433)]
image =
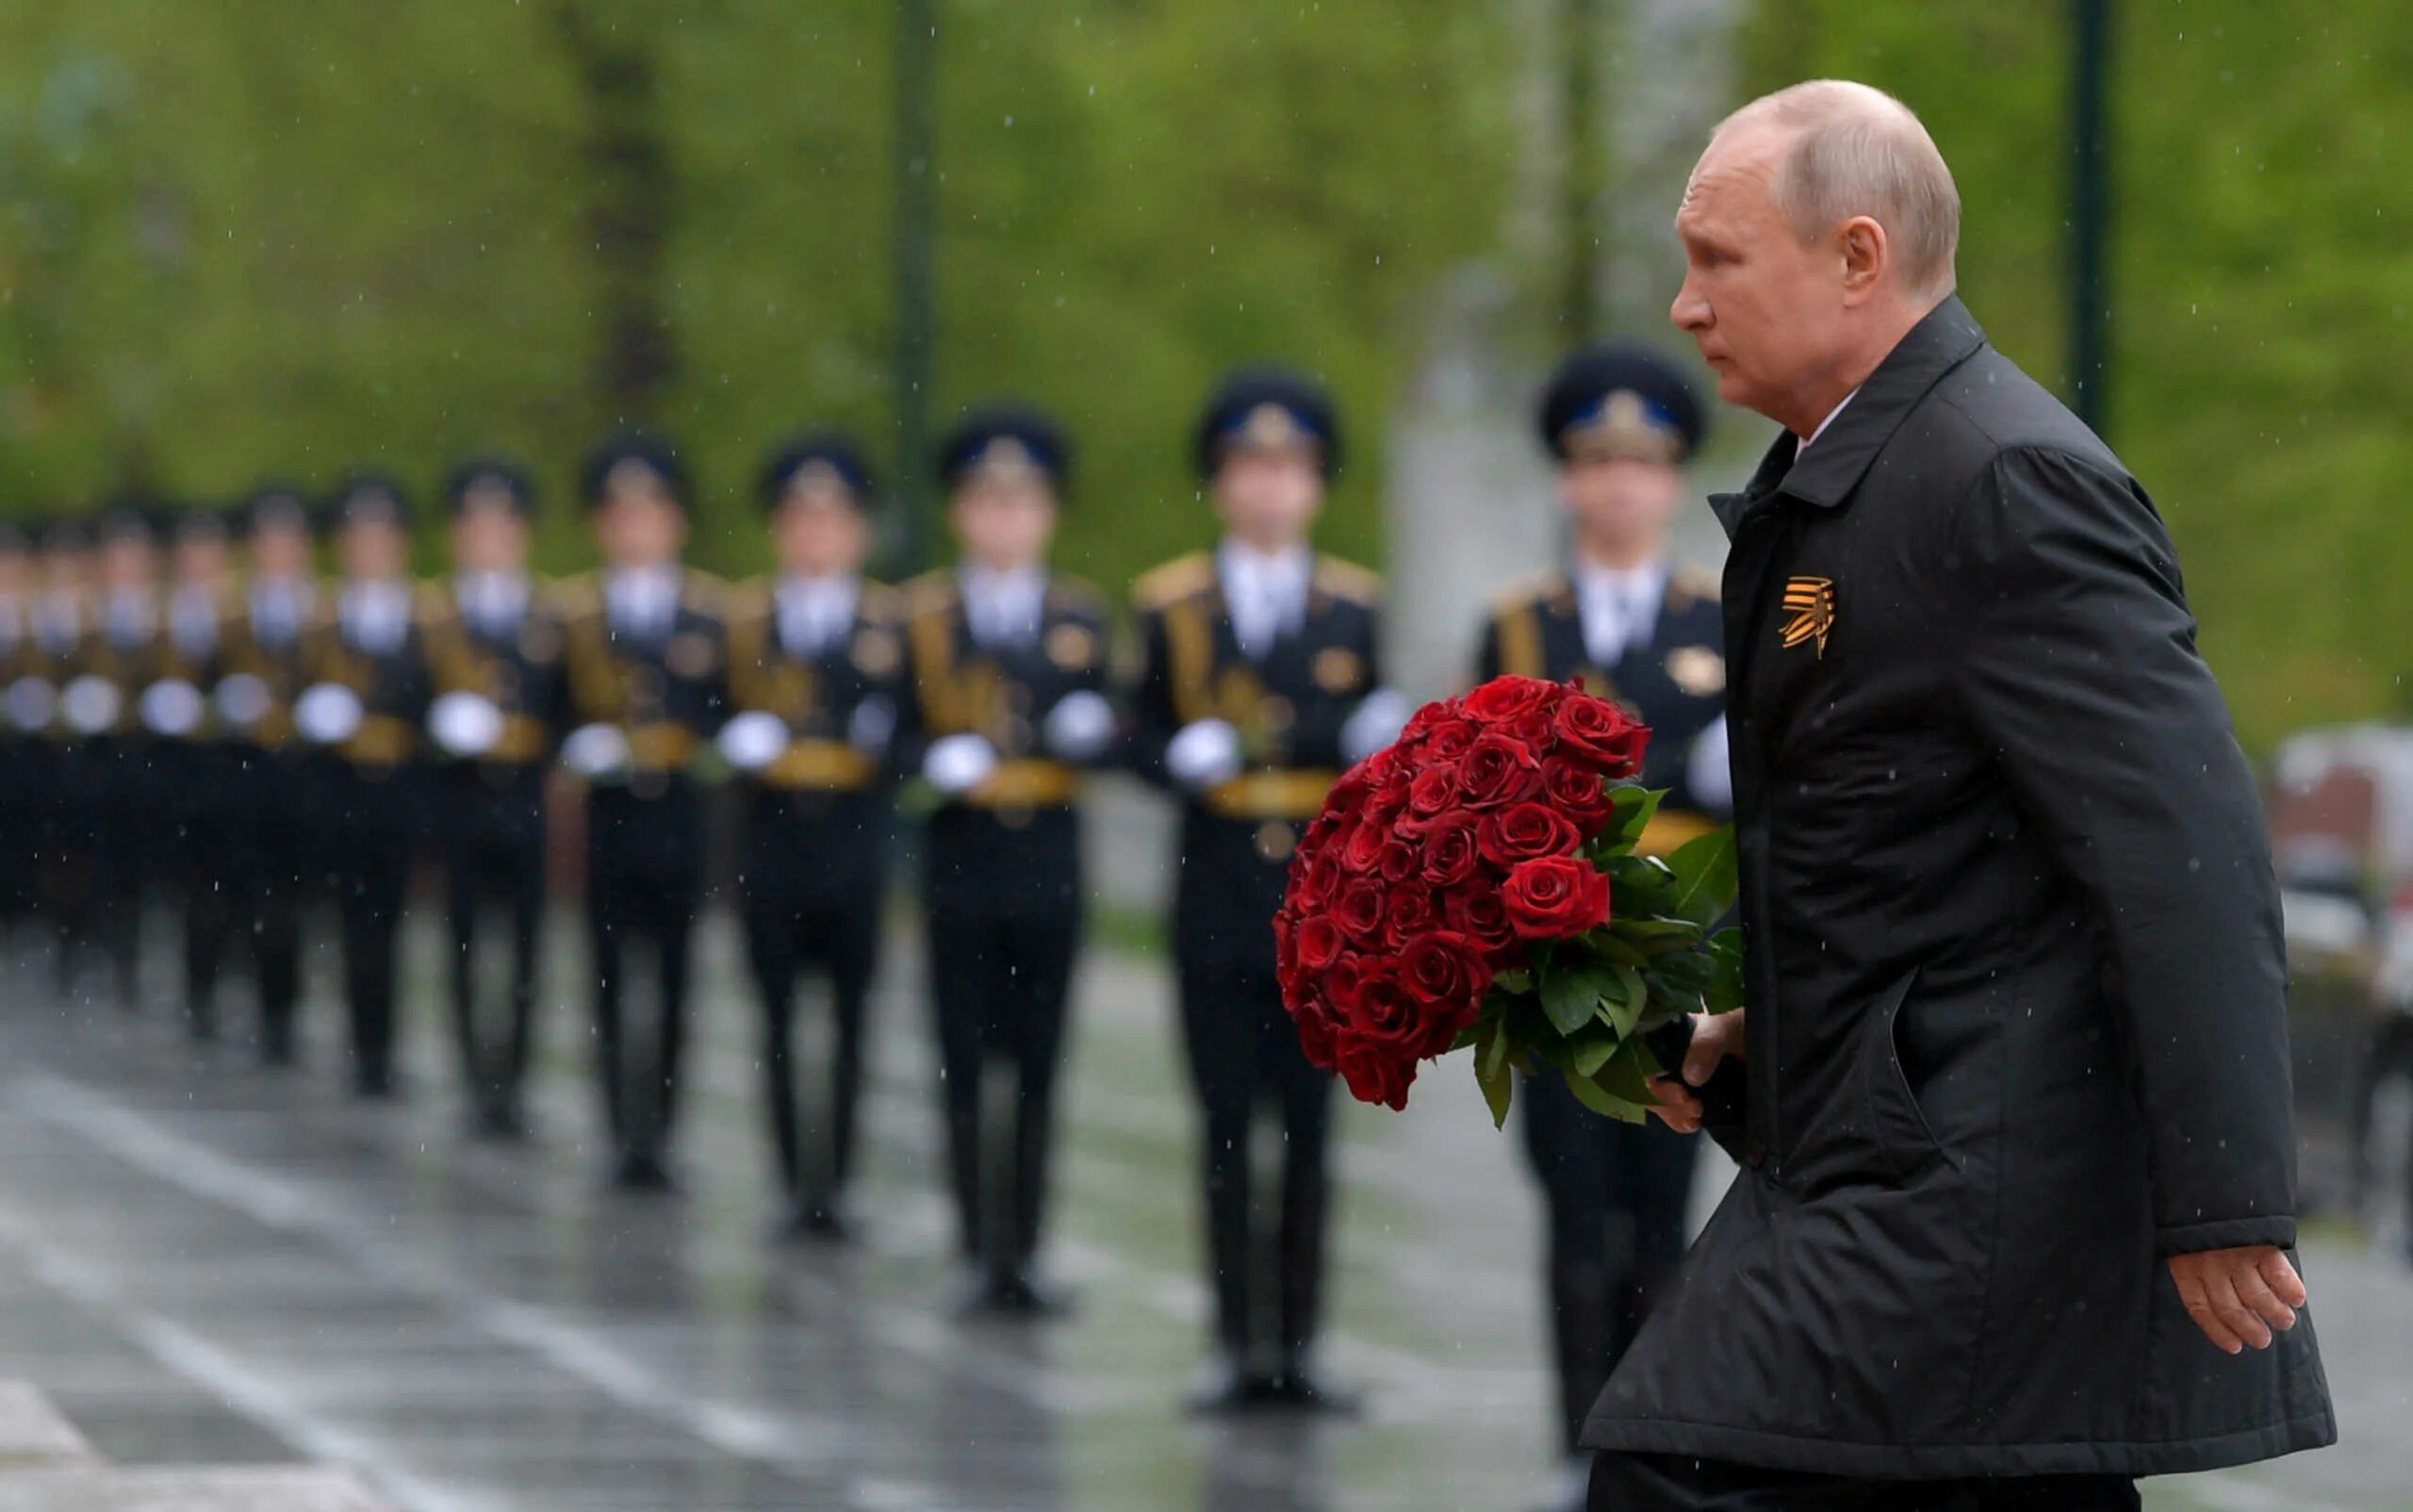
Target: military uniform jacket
[(839, 704), (1289, 709), (1675, 685), (666, 692), (2017, 1005), (393, 687), (524, 673), (257, 682)]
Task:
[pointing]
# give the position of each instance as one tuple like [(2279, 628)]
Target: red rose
[(1444, 972), (1450, 850), (1496, 771), (1313, 883), (1363, 848), (1555, 897), (1396, 864), (1599, 732), (1436, 788), (1341, 984), (1478, 913), (1409, 912), (1528, 830), (1509, 697), (1425, 720), (1319, 941), (1377, 1074), (1385, 1011), (1450, 739), (1358, 910), (1577, 791)]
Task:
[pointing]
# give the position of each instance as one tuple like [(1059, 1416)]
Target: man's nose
[(1690, 311)]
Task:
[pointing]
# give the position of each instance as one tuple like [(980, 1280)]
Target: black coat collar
[(1826, 473)]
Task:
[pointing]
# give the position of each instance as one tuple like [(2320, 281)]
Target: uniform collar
[(1824, 474)]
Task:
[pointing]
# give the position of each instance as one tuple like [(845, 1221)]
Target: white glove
[(328, 714), (1378, 717), (242, 701), (957, 764), (1205, 752), (31, 701), (171, 707), (465, 723), (754, 739), (1707, 771), (597, 752), (872, 726), (90, 704), (1081, 725)]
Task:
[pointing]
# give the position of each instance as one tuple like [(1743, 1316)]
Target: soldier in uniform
[(500, 692), (191, 767), (1261, 682), (20, 765), (816, 664), (70, 865), (1620, 422), (647, 664), (1010, 672), (367, 698), (100, 705)]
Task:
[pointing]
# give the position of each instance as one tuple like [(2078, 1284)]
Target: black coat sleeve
[(2076, 666), (1154, 718)]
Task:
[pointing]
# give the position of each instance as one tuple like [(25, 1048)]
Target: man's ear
[(1868, 255)]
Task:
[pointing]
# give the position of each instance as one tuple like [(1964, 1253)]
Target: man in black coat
[(498, 693), (2017, 1211), (1261, 681), (816, 668)]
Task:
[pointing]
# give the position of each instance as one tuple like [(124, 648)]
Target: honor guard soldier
[(817, 666), (71, 835), (498, 675), (1009, 673), (20, 764), (1620, 421), (187, 764), (1261, 682), (100, 709), (647, 664), (271, 805), (366, 699)]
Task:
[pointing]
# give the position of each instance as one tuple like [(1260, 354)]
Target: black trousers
[(369, 874), (644, 872), (1613, 1198), (492, 820), (277, 819), (205, 837), (73, 858), (1679, 1482), (1243, 1054), (811, 884)]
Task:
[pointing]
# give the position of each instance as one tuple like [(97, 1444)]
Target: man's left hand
[(2238, 1296)]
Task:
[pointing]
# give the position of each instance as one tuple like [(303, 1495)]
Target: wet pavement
[(205, 1263)]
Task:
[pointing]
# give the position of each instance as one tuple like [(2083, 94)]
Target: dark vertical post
[(916, 276), (2090, 195)]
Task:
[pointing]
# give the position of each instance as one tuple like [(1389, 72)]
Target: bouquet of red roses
[(1476, 885)]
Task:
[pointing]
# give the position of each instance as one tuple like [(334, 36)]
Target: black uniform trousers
[(272, 803), (813, 880), (375, 834), (1005, 910), (202, 840), (75, 889), (1244, 1058), (133, 835), (644, 873), (23, 809), (1615, 1197), (491, 820), (1681, 1483)]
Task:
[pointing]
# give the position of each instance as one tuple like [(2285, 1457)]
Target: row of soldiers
[(250, 741)]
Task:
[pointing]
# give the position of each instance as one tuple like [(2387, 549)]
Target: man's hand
[(1715, 1036), (2238, 1296)]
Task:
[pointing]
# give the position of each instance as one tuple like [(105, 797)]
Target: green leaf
[(1627, 1077), (1706, 877), (1641, 884), (1514, 979), (1491, 1053), (1588, 1093), (1589, 1051), (1572, 994), (1491, 1074), (1622, 1005), (1631, 809), (1612, 949), (1724, 989), (1656, 936)]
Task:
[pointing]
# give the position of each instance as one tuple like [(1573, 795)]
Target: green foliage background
[(250, 237)]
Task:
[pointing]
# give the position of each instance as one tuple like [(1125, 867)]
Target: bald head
[(1846, 150)]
